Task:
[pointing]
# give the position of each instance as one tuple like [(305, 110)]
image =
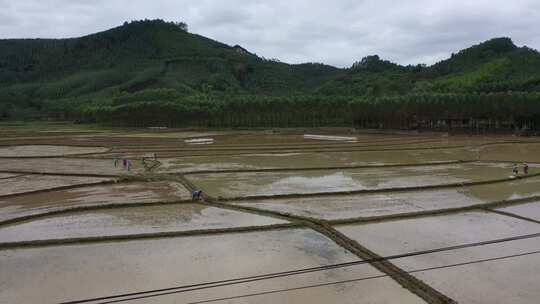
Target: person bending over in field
[(515, 170), (196, 195)]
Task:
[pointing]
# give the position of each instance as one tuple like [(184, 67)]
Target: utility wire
[(363, 279), (187, 288)]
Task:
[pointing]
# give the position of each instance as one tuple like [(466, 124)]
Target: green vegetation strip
[(372, 191), (329, 168), (32, 217), (143, 236)]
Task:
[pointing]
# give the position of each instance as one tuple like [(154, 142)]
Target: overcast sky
[(336, 32)]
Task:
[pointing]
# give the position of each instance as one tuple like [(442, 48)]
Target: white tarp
[(332, 138)]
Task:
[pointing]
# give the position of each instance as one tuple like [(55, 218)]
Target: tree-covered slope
[(148, 67)]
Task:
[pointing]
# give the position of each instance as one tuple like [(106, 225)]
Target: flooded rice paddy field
[(69, 166), (301, 182), (125, 221), (531, 210), (30, 183), (95, 230), (338, 207), (45, 150), (91, 196), (500, 281), (32, 275), (312, 160)]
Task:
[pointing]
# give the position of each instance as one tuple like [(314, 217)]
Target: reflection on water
[(502, 281), (132, 221), (380, 204), (248, 184), (32, 275), (334, 182), (531, 210)]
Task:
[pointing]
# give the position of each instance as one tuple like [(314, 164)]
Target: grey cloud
[(336, 32)]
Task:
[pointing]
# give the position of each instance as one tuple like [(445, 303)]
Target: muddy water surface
[(92, 196), (44, 150), (136, 220), (367, 205), (531, 210), (58, 274), (29, 183), (7, 175), (311, 160), (69, 165), (517, 152), (506, 281), (248, 184)]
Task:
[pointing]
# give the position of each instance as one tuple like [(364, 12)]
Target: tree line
[(446, 112)]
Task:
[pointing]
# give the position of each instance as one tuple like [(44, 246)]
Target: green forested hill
[(156, 72)]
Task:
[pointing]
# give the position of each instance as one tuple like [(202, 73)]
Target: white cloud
[(336, 32)]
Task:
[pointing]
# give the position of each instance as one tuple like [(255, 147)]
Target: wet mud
[(142, 220), (97, 270), (507, 281), (32, 183), (44, 150), (70, 166), (104, 195), (255, 184), (384, 204)]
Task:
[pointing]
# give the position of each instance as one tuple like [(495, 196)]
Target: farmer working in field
[(515, 170), (525, 169), (196, 195)]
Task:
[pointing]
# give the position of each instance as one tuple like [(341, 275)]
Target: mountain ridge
[(152, 60)]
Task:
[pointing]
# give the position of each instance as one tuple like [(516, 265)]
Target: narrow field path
[(321, 226), (406, 280)]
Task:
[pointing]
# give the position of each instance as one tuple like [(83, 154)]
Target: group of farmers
[(126, 163), (515, 170)]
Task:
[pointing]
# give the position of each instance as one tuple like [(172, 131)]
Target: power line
[(362, 279), (187, 288)]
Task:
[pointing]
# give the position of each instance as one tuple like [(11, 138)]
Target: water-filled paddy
[(506, 281), (69, 166), (154, 203), (30, 183), (516, 152), (530, 210), (301, 159), (137, 220), (47, 150), (76, 272), (275, 183), (122, 193), (381, 204)]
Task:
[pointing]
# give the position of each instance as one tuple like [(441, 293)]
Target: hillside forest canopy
[(157, 73)]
